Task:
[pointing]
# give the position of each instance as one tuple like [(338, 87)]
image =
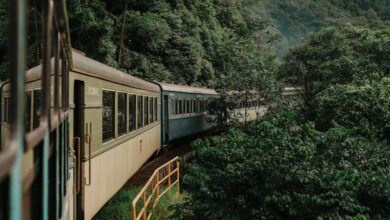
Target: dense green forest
[(192, 42)]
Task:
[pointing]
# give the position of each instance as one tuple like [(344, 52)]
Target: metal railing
[(18, 190), (163, 178)]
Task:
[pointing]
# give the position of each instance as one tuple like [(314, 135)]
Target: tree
[(337, 56), (363, 108)]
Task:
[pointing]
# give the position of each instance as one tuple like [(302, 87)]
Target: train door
[(78, 131), (166, 118)]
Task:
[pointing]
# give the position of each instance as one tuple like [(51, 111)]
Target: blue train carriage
[(184, 111)]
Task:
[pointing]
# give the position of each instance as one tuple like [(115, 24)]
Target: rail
[(164, 177)]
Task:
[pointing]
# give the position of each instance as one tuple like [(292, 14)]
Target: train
[(115, 124)]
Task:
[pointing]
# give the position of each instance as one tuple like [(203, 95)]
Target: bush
[(287, 170)]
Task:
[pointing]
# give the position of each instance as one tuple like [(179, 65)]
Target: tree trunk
[(122, 33), (36, 32)]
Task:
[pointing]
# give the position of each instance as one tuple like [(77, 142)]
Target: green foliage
[(338, 55), (366, 108), (283, 169)]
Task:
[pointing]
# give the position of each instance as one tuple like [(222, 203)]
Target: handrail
[(150, 193)]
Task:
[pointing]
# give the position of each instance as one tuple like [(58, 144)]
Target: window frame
[(134, 127), (113, 115), (125, 112)]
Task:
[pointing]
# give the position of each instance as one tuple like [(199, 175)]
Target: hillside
[(293, 19)]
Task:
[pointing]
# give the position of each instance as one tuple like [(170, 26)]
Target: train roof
[(186, 89), (88, 66)]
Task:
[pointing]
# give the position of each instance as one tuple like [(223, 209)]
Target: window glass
[(155, 110), (180, 106), (27, 119), (122, 104), (108, 115), (140, 114), (132, 112), (177, 105), (151, 115), (188, 106), (37, 108), (146, 111)]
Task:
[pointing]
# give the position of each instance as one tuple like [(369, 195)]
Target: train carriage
[(114, 127), (184, 110), (118, 117)]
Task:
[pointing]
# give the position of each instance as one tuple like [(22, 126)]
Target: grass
[(119, 207)]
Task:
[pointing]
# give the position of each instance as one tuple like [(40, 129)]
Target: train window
[(191, 106), (177, 104), (122, 104), (151, 109), (155, 110), (140, 107), (188, 106), (179, 107), (27, 116), (37, 108), (146, 111), (108, 115), (132, 112)]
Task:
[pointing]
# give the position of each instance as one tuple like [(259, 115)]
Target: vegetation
[(325, 158), (293, 19), (284, 169), (119, 207)]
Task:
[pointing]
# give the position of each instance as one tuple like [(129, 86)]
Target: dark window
[(108, 115), (140, 106), (122, 103), (188, 106), (177, 107), (132, 112), (37, 108), (180, 107), (27, 118), (146, 111), (151, 115), (155, 110)]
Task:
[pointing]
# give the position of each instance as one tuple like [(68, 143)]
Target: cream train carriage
[(114, 127)]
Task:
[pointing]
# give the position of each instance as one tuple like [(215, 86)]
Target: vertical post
[(158, 184), (169, 175), (17, 59), (45, 117), (144, 206), (133, 211), (178, 174), (151, 193)]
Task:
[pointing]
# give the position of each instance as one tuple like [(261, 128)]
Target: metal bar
[(16, 144), (57, 73), (89, 153), (45, 116)]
